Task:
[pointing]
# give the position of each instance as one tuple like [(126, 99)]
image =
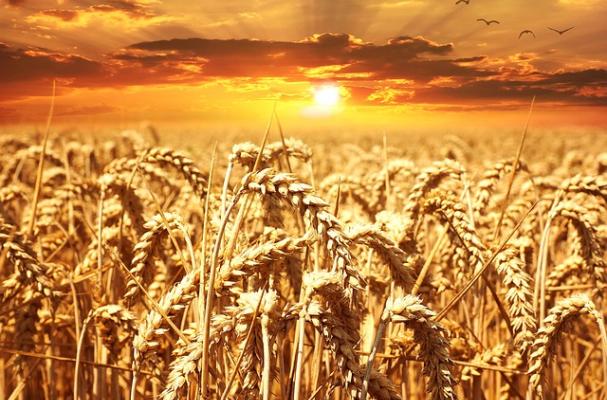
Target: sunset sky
[(388, 62)]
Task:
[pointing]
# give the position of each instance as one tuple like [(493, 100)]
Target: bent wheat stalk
[(547, 337), (430, 336)]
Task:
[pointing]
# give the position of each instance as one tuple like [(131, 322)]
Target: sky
[(384, 63)]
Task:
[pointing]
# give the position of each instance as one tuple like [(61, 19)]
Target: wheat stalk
[(430, 336), (543, 348)]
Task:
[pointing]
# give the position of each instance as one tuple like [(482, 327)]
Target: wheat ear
[(430, 336), (547, 337)]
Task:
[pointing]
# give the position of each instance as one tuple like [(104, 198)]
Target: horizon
[(385, 62)]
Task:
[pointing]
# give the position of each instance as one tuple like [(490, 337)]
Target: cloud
[(573, 87), (127, 14), (64, 15), (402, 70), (350, 58), (30, 71), (30, 64), (390, 95)]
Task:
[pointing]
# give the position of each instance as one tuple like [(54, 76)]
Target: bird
[(526, 31), (561, 32), (493, 21), (462, 1)]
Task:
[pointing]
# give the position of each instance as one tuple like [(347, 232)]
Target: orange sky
[(412, 62)]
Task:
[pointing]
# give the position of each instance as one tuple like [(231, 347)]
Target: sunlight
[(326, 96)]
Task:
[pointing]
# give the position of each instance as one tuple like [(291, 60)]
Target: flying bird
[(561, 32), (525, 32), (493, 21), (462, 1)]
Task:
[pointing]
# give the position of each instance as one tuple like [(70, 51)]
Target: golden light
[(326, 96)]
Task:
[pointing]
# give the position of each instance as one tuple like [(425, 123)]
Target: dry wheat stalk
[(145, 342), (519, 296), (349, 186), (186, 357), (155, 227), (489, 181), (50, 209), (342, 338), (185, 165), (20, 254), (587, 244), (571, 266), (299, 195), (453, 213), (543, 348), (255, 260), (108, 318), (26, 319), (428, 179), (252, 350), (246, 153), (327, 307), (29, 153), (591, 185), (402, 266), (430, 336), (125, 167), (11, 193), (130, 200), (494, 355)]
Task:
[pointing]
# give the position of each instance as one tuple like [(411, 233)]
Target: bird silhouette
[(524, 32), (561, 32), (493, 21), (462, 1)]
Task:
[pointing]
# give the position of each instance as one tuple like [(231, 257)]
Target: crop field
[(417, 267)]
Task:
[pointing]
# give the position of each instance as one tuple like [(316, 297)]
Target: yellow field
[(139, 265)]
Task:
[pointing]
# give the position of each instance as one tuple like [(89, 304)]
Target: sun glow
[(326, 96)]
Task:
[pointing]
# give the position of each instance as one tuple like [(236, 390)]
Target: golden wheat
[(346, 271)]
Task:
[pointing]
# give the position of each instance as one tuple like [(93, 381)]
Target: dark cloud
[(574, 87), (596, 77), (31, 64), (402, 57), (318, 50), (400, 71)]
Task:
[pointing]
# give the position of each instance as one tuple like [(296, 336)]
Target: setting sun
[(326, 95)]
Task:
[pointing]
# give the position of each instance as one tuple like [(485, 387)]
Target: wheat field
[(326, 268)]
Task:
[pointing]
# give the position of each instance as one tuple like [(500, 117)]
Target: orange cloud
[(24, 71), (328, 56), (389, 95), (403, 70), (127, 14)]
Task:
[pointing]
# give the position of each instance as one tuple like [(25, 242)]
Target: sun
[(326, 96), (327, 99)]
